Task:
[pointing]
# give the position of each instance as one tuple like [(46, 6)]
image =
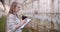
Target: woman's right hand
[(20, 24), (23, 21)]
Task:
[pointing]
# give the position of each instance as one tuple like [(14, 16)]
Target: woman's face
[(17, 8)]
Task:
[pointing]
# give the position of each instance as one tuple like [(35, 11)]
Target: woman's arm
[(20, 24), (11, 25)]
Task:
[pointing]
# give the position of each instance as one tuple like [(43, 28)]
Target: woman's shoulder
[(11, 16)]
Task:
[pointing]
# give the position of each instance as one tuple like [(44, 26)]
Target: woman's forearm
[(20, 24)]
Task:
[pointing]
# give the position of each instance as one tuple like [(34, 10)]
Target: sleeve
[(11, 23)]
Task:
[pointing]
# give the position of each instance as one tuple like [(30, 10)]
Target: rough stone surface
[(43, 11)]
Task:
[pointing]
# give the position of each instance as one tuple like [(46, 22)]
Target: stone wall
[(44, 10)]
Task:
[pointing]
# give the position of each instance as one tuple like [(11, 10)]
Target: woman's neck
[(16, 14)]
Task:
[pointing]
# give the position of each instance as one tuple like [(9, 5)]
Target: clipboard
[(27, 21)]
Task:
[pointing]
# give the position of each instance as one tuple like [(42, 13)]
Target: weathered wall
[(40, 9)]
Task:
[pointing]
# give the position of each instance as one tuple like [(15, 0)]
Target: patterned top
[(12, 20)]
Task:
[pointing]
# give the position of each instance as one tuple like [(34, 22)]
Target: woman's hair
[(12, 8)]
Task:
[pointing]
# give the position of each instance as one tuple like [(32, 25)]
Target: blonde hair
[(12, 8)]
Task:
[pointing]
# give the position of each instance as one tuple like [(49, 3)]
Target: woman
[(13, 22)]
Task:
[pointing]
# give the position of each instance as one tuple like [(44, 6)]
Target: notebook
[(27, 21)]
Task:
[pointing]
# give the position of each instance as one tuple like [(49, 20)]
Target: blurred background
[(45, 14)]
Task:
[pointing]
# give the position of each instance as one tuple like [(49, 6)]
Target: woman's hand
[(23, 21), (20, 24)]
